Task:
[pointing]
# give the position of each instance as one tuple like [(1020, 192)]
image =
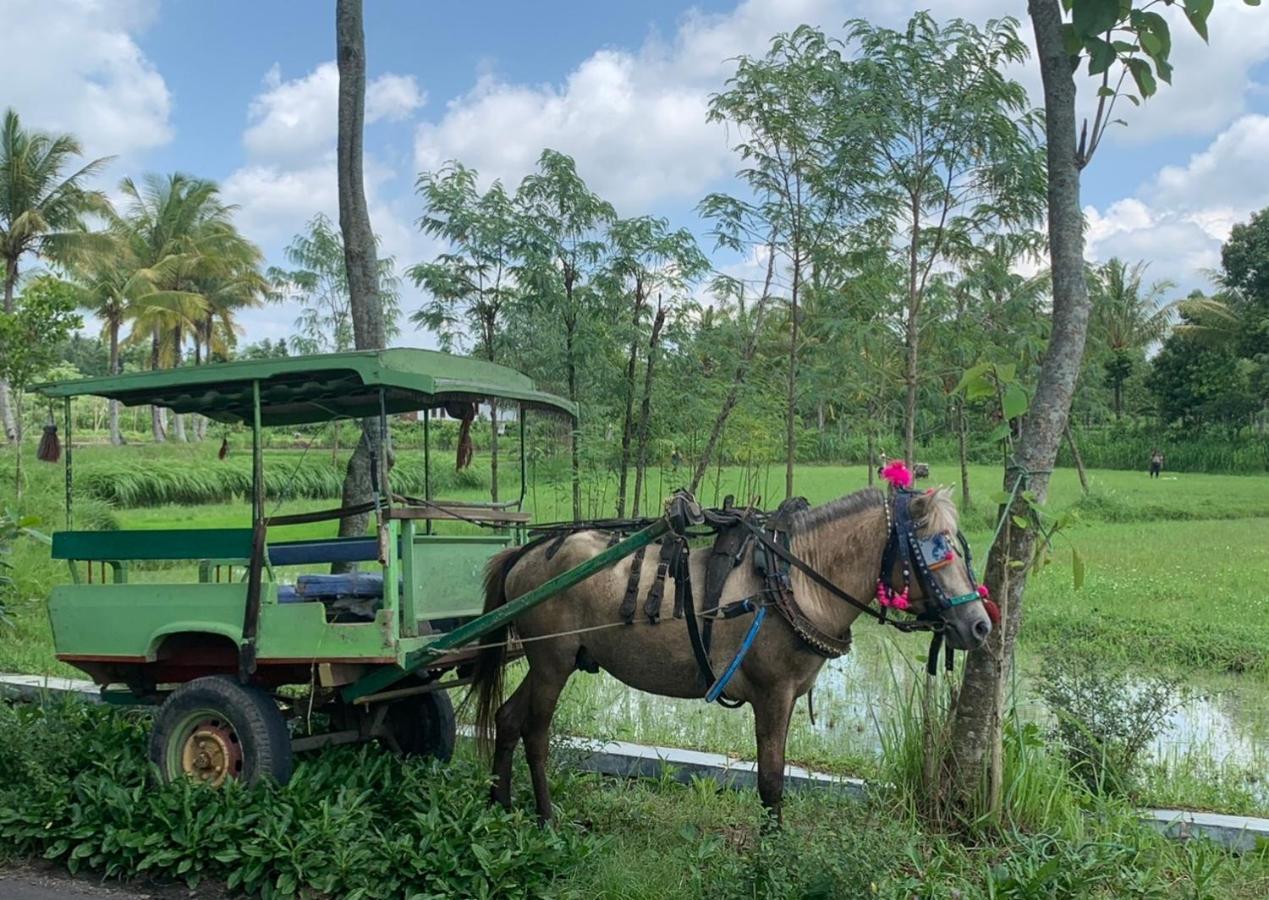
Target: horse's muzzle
[(968, 628)]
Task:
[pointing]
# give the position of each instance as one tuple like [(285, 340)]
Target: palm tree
[(110, 286), (42, 209), (1127, 318), (197, 266)]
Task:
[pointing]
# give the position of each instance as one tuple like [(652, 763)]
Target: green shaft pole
[(503, 615)]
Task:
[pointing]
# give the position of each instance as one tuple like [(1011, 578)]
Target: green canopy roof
[(300, 389)]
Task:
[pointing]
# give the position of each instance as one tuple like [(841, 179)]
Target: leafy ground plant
[(1105, 718), (75, 787)]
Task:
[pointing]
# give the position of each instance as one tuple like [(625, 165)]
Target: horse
[(844, 541)]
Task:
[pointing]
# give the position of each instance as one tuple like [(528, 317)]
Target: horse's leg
[(547, 684), (508, 726), (771, 725)]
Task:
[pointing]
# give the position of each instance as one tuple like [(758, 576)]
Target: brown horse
[(843, 540)]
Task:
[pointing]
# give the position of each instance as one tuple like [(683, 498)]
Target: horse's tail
[(487, 679)]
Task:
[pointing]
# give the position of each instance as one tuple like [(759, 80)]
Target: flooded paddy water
[(1219, 728)]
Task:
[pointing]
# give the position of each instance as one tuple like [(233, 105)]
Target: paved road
[(40, 883)]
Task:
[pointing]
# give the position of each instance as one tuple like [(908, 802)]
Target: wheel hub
[(211, 753)]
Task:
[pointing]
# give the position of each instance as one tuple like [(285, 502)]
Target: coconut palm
[(1128, 316), (43, 204), (197, 266)]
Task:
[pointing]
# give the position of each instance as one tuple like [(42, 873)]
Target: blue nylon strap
[(716, 690)]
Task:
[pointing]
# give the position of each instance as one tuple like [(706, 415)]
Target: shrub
[(1105, 718), (353, 822)]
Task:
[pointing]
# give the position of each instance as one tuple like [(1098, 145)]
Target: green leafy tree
[(44, 201), (955, 143), (30, 335), (470, 285), (803, 178), (1196, 384), (1128, 316), (646, 259), (319, 286), (1117, 39), (562, 247)]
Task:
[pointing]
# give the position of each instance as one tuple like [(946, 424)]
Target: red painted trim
[(308, 660), (88, 657)]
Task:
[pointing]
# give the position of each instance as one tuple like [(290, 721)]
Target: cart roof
[(301, 389)]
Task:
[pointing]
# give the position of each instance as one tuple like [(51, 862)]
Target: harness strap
[(632, 587), (683, 598), (716, 690), (657, 591), (833, 589)]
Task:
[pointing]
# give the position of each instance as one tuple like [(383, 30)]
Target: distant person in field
[(1156, 462)]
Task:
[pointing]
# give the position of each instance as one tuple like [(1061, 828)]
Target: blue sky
[(245, 93)]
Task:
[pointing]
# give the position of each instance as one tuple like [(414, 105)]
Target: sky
[(245, 93)]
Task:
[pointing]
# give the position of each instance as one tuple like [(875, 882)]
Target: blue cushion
[(332, 587)]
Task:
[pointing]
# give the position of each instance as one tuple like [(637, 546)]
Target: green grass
[(1176, 569), (74, 788)]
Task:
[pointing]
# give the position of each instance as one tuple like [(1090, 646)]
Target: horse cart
[(216, 626)]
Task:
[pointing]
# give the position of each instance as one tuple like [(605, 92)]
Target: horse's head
[(930, 565)]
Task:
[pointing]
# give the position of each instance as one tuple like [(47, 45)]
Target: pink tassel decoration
[(898, 474)]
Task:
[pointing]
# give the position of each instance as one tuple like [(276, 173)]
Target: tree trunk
[(178, 428), (493, 450), (911, 339), (645, 411), (960, 447), (977, 724), (158, 422), (360, 259), (738, 376), (1119, 403), (627, 423), (575, 456), (872, 456), (790, 438), (116, 436), (1075, 454), (7, 418)]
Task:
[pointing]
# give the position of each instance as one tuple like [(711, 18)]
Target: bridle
[(919, 558)]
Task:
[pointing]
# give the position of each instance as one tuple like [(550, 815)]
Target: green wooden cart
[(378, 646)]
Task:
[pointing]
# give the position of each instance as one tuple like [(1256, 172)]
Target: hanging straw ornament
[(466, 413), (224, 448), (50, 449)]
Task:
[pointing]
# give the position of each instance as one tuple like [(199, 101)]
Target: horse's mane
[(813, 517), (934, 511)]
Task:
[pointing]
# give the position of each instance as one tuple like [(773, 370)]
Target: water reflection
[(1222, 723)]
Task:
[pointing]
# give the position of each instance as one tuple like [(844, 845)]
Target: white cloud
[(292, 120), (633, 120), (1179, 219), (74, 66)]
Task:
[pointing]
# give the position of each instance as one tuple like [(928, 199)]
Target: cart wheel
[(214, 729), (423, 725)]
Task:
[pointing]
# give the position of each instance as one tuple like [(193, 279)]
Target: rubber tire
[(423, 725), (255, 717)]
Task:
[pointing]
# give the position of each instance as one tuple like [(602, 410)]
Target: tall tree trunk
[(570, 325), (493, 450), (911, 339), (8, 420), (738, 376), (872, 455), (158, 423), (360, 260), (627, 423), (960, 447), (1075, 454), (116, 436), (790, 438), (977, 725), (645, 410)]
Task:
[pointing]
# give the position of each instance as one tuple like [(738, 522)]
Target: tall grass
[(134, 480)]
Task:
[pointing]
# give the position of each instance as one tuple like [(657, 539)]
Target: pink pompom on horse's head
[(898, 474)]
